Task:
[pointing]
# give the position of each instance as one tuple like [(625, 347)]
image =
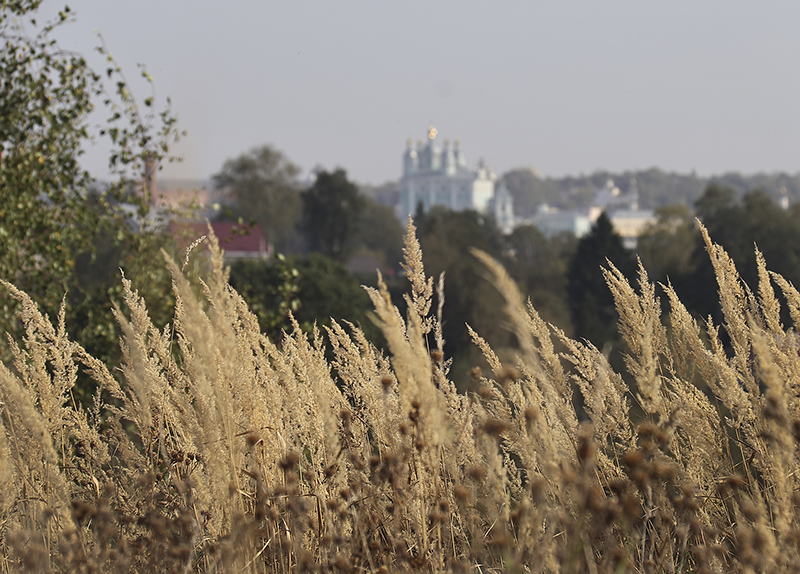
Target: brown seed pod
[(633, 459), (476, 472), (494, 427), (460, 492), (531, 414), (506, 375), (290, 461)]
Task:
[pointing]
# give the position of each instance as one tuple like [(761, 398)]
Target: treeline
[(657, 188), (329, 229)]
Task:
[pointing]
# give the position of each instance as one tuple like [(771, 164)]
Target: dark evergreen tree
[(381, 234), (332, 209), (591, 304)]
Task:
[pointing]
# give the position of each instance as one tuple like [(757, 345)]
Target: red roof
[(233, 237)]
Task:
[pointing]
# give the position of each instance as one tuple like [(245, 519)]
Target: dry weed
[(212, 448)]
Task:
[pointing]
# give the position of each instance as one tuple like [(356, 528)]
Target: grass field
[(214, 449)]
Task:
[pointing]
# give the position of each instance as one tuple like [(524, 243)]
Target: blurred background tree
[(332, 209), (591, 304), (666, 246), (264, 188), (539, 266), (314, 289), (63, 233), (674, 250)]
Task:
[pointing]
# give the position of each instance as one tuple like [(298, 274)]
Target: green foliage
[(594, 316), (738, 225), (380, 234), (332, 209), (55, 222), (263, 186), (667, 246), (45, 97), (271, 290), (676, 253), (327, 291), (314, 289)]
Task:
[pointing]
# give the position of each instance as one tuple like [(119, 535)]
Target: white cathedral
[(438, 175)]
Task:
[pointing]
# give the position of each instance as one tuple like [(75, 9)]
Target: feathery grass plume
[(768, 303), (212, 432), (605, 396), (515, 307), (421, 286), (262, 390), (44, 365), (685, 341), (777, 459), (641, 329), (790, 345), (8, 486), (792, 297), (736, 301), (322, 404), (488, 353), (34, 455), (550, 381), (699, 444), (407, 341), (370, 382), (35, 400), (438, 336), (221, 450), (191, 248)]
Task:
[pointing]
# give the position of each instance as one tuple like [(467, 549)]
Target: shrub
[(211, 448)]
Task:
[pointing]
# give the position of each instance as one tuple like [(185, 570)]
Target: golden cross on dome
[(432, 132)]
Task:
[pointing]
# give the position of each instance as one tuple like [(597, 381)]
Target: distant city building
[(621, 207), (438, 175), (630, 224), (553, 221), (623, 210), (502, 206)]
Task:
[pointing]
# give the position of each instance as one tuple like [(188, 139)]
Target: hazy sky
[(565, 87)]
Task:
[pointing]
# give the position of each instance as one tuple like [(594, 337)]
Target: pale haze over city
[(562, 87)]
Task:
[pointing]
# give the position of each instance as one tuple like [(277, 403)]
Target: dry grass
[(213, 449)]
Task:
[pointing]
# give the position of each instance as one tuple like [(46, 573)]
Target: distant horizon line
[(599, 171)]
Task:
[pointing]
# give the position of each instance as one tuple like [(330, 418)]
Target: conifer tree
[(590, 301), (332, 210)]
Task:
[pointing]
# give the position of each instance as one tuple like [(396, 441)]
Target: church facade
[(435, 174)]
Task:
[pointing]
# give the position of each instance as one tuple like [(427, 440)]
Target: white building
[(436, 174), (502, 206), (623, 210), (553, 221), (621, 207)]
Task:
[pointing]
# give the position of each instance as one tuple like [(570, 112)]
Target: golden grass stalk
[(212, 448)]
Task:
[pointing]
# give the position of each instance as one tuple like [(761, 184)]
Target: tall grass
[(214, 449)]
